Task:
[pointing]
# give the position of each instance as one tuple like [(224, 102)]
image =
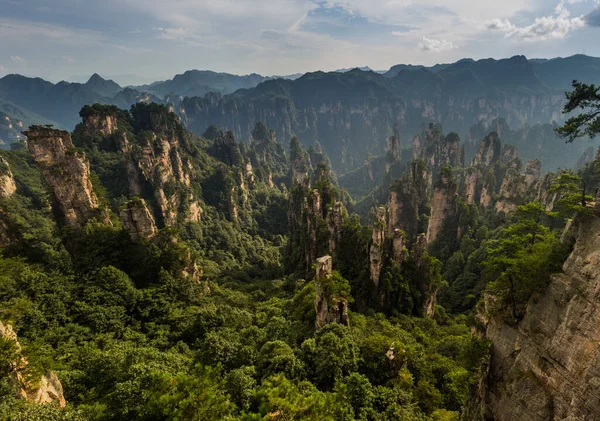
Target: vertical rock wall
[(66, 171)]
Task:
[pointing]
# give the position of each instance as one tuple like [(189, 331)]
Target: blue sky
[(137, 41)]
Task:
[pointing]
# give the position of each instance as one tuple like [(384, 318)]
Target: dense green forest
[(184, 284)]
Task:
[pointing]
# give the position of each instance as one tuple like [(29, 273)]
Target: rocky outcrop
[(335, 217), (516, 188), (137, 220), (533, 169), (329, 307), (103, 125), (67, 172), (376, 252), (437, 150), (399, 250), (193, 213), (393, 154), (314, 217), (233, 206), (494, 178), (547, 366), (427, 286), (408, 195), (443, 205), (7, 181), (489, 151), (47, 389), (512, 192), (544, 195), (158, 167)]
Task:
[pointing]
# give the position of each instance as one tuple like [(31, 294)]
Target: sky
[(139, 41)]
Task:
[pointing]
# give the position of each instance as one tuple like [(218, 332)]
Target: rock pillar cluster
[(67, 172)]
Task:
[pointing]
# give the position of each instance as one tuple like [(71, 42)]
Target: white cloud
[(502, 25), (555, 26), (18, 59), (69, 59), (3, 69), (435, 45), (402, 12)]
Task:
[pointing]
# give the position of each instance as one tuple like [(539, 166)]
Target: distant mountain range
[(349, 112)]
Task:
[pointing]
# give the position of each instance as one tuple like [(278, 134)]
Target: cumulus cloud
[(18, 59), (593, 18), (435, 45), (556, 26)]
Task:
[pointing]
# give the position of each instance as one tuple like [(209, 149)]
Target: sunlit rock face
[(7, 181), (137, 220), (46, 390), (67, 172), (104, 125), (546, 366)]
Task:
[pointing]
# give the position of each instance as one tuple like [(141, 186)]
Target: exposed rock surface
[(335, 215), (104, 125), (443, 205), (7, 181), (437, 150), (512, 191), (67, 171), (407, 195), (398, 247), (426, 286), (329, 308), (494, 176), (376, 253), (393, 150), (137, 220), (489, 151), (156, 160), (533, 169), (47, 389), (547, 367)]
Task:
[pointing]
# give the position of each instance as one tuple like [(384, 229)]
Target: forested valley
[(147, 273)]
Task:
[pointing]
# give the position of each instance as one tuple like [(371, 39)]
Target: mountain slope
[(200, 82)]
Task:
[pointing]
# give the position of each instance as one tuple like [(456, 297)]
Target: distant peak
[(95, 77)]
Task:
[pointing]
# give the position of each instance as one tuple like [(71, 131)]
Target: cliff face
[(335, 217), (104, 125), (437, 150), (155, 162), (494, 176), (426, 283), (547, 367), (137, 220), (47, 389), (376, 253), (329, 307), (407, 197), (443, 205), (342, 119), (67, 171), (7, 181)]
